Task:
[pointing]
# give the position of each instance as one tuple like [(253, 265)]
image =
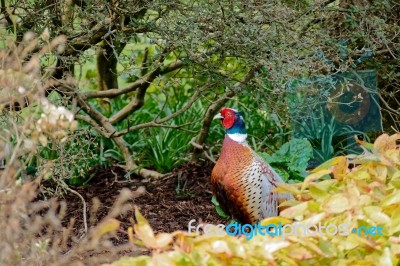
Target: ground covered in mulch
[(168, 203)]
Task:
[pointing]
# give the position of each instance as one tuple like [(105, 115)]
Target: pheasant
[(241, 180)]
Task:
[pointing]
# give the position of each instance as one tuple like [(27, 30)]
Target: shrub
[(34, 232), (365, 196), (291, 160)]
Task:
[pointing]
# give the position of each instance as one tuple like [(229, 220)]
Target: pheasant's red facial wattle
[(243, 182), (228, 117)]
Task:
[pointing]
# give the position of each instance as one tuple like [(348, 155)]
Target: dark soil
[(165, 208)]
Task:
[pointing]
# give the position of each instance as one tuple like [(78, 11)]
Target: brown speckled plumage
[(243, 183)]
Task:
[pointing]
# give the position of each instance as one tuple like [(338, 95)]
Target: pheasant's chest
[(236, 162)]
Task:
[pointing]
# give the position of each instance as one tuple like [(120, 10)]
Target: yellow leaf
[(395, 245), (340, 168), (275, 220), (327, 247), (393, 198), (285, 188), (395, 226), (395, 180), (300, 253), (317, 193), (130, 235), (169, 259), (386, 258), (274, 245), (313, 177), (384, 142), (360, 174), (393, 155), (315, 219), (144, 232), (295, 210), (43, 140), (336, 204), (328, 164), (310, 245), (220, 246), (355, 241), (365, 144), (350, 243), (325, 185), (382, 172), (163, 240), (320, 190), (375, 214), (314, 206), (105, 227), (142, 228), (129, 261), (378, 172)]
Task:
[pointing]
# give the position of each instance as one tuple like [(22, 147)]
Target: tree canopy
[(195, 56)]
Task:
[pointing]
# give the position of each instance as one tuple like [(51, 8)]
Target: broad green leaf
[(218, 208)]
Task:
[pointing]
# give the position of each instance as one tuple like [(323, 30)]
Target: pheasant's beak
[(218, 116)]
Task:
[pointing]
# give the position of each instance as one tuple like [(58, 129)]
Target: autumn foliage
[(365, 194)]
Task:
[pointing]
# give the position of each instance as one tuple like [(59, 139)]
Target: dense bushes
[(363, 194)]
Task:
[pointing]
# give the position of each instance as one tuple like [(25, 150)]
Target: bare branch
[(83, 41), (5, 12), (112, 93), (144, 67), (138, 101), (159, 122), (91, 122)]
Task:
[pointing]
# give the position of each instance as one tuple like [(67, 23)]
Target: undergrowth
[(364, 192)]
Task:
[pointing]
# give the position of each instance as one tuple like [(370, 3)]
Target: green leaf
[(218, 208), (291, 160)]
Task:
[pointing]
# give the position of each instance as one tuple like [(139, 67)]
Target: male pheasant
[(241, 180)]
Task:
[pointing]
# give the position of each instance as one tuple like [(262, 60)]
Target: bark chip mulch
[(168, 203)]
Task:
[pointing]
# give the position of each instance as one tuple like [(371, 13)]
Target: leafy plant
[(365, 196), (328, 137), (72, 159), (218, 208), (291, 160), (181, 190), (165, 148)]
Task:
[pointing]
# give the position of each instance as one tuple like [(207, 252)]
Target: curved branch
[(84, 40), (138, 101), (93, 124), (159, 122), (112, 93), (5, 12)]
